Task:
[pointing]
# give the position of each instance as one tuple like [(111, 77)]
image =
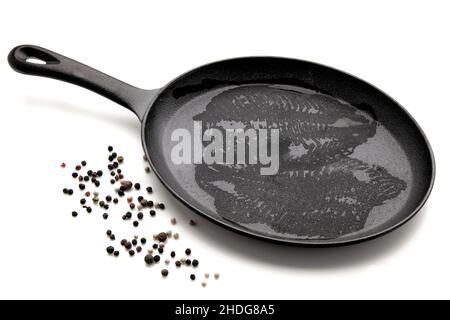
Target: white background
[(401, 47)]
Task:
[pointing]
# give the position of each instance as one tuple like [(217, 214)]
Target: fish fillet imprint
[(319, 191)]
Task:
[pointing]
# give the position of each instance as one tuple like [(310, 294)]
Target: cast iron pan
[(353, 164)]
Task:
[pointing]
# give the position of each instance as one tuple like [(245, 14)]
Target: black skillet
[(353, 164)]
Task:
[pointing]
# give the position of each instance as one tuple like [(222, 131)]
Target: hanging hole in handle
[(35, 60), (36, 56)]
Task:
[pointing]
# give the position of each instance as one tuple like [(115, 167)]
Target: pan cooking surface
[(340, 170)]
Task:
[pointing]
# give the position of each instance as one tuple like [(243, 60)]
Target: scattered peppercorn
[(108, 232), (135, 223), (134, 242), (195, 263), (165, 272), (78, 167), (116, 253), (148, 259), (105, 216), (156, 258), (83, 201), (152, 213), (112, 237), (178, 263), (155, 246), (115, 200), (140, 215), (192, 222), (149, 189), (110, 250), (188, 262), (128, 245), (131, 252), (83, 163), (161, 205), (123, 242), (132, 206), (137, 186), (89, 209), (128, 215), (110, 148), (81, 186), (172, 254), (138, 249), (187, 251), (74, 175), (192, 276), (160, 250), (162, 236), (143, 240), (74, 214)]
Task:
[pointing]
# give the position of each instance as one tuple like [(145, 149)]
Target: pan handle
[(37, 61)]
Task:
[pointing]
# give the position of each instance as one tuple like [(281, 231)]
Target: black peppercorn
[(74, 175), (178, 263), (89, 209), (135, 223), (110, 250), (149, 189), (138, 249), (187, 251), (74, 214), (162, 236), (86, 178), (160, 250), (172, 254), (143, 240), (128, 215), (89, 173), (148, 259), (108, 232), (165, 272), (83, 163), (116, 253), (161, 205), (123, 242), (152, 213), (116, 200), (134, 242), (83, 201), (156, 258), (140, 198), (106, 207), (131, 252), (140, 215), (128, 245), (108, 198), (155, 246), (195, 263), (188, 262), (192, 276), (112, 237), (105, 216), (81, 186), (132, 206), (110, 148), (99, 173), (120, 193), (69, 192), (112, 181), (97, 183), (137, 186)]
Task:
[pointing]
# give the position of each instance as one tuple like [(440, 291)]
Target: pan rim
[(292, 242)]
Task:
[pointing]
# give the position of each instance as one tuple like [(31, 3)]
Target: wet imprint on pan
[(320, 190)]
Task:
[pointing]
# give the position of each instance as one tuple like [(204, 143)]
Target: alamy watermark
[(227, 146)]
